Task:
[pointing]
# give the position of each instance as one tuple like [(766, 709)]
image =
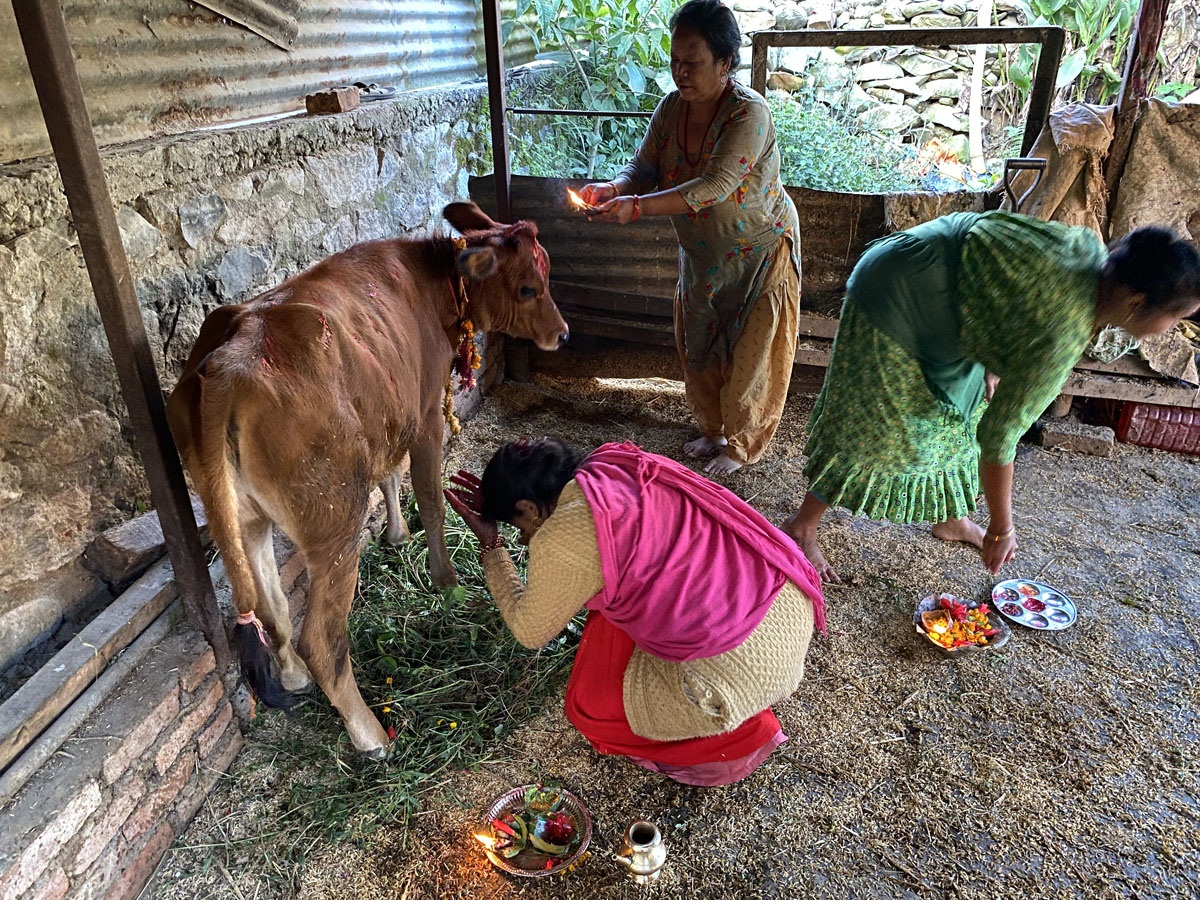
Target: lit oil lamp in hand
[(580, 204)]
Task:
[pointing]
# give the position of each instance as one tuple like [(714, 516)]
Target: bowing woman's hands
[(467, 500)]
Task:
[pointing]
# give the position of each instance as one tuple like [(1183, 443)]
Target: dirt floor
[(1061, 765)]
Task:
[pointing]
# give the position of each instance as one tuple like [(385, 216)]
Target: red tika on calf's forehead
[(528, 231)]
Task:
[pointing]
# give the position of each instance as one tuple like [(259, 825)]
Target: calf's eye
[(528, 293)]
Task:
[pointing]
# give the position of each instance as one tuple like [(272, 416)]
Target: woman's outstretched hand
[(467, 500), (598, 192), (997, 553), (619, 210)]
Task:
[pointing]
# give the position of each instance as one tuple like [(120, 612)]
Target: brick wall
[(98, 817)]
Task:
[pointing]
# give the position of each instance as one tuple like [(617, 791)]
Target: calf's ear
[(477, 263), (468, 217)]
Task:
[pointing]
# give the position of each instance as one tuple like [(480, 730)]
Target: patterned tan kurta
[(739, 213)]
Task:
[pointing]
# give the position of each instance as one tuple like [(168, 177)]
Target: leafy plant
[(615, 58), (1098, 32), (1173, 90)]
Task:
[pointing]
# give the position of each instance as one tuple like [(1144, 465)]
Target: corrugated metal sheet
[(641, 262), (152, 67)]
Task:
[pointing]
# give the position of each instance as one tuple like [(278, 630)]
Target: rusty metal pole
[(494, 51), (43, 31), (1042, 93), (1143, 49)]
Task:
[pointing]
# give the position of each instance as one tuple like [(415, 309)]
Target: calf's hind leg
[(426, 457), (325, 646), (397, 528), (257, 536)]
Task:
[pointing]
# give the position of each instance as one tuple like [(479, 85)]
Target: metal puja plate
[(1034, 605), (531, 863)]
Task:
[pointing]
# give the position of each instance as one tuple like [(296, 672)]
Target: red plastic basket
[(1173, 428)]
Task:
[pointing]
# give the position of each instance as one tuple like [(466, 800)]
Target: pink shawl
[(690, 569)]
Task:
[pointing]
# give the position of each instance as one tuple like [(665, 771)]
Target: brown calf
[(294, 404)]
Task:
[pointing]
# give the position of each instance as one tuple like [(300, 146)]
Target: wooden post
[(494, 52), (48, 52), (1143, 48)]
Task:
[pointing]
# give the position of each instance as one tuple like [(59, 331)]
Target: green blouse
[(739, 210), (1028, 293), (1000, 291)]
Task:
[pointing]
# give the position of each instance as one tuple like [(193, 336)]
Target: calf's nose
[(564, 337)]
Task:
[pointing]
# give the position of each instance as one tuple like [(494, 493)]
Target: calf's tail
[(216, 483)]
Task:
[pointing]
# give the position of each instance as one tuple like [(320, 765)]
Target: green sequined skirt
[(879, 443)]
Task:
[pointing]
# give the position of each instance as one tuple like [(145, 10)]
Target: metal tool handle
[(1034, 164)]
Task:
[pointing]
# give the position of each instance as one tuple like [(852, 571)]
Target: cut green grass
[(437, 666)]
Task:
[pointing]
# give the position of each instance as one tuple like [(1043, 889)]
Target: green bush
[(823, 150), (614, 57)]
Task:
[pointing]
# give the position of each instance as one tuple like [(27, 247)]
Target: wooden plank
[(1095, 384), (659, 334), (1127, 378), (806, 356), (55, 685), (816, 325), (45, 746), (578, 296)]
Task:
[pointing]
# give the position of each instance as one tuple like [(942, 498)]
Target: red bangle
[(637, 208), (493, 543)]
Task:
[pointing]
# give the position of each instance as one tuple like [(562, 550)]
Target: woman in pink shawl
[(700, 610)]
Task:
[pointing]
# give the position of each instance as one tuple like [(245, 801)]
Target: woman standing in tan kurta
[(710, 161)]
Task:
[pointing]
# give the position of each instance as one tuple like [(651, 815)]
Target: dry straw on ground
[(1063, 765)]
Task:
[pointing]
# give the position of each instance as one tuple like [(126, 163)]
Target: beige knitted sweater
[(664, 700)]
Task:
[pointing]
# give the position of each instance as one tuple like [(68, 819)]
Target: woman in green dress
[(937, 317)]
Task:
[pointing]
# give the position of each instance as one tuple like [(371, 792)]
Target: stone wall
[(890, 90), (210, 218), (919, 93)]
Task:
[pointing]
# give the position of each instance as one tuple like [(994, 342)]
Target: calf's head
[(508, 277)]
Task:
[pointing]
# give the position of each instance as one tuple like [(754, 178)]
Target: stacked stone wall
[(919, 94)]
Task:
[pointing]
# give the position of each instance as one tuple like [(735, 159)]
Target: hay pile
[(1062, 765)]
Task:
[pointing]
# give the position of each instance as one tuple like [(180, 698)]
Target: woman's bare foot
[(963, 530), (703, 446), (807, 542), (722, 465)]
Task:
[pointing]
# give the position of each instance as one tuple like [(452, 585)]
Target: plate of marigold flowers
[(957, 626)]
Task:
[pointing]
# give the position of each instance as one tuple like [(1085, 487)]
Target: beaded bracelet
[(496, 542)]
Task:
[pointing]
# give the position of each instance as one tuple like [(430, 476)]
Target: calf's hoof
[(379, 754)]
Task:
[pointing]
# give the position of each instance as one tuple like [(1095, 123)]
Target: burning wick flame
[(579, 202), (489, 843)]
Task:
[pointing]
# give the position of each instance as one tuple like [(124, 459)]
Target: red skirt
[(595, 705)]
